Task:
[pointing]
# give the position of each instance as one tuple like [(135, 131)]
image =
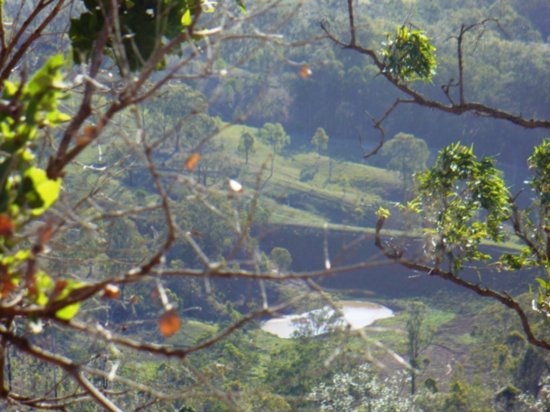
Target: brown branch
[(86, 292), (44, 403), (353, 39), (169, 351), (460, 64), (64, 363), (377, 124), (23, 48), (57, 163), (14, 39), (4, 390), (165, 201), (502, 297), (517, 224), (459, 52), (2, 36), (420, 99)]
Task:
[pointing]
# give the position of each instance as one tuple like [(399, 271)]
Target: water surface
[(357, 314)]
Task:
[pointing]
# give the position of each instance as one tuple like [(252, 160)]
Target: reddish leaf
[(192, 161), (134, 299), (169, 323), (60, 285), (305, 72), (6, 226), (7, 285), (111, 291), (45, 233), (87, 135), (82, 140), (30, 284), (89, 130)]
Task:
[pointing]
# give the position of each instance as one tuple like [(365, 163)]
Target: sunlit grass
[(350, 184)]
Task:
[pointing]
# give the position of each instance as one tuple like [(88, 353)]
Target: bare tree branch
[(396, 255), (64, 363), (417, 98)]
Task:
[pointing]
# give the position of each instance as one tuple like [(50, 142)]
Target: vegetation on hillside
[(166, 169)]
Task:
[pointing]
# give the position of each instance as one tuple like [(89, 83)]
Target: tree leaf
[(68, 312), (46, 188), (241, 5), (192, 161), (305, 72), (10, 88), (208, 6), (169, 323), (43, 284), (186, 19), (6, 225)]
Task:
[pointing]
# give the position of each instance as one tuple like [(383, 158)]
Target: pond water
[(357, 314)]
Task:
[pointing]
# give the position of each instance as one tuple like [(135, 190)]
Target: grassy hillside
[(352, 193)]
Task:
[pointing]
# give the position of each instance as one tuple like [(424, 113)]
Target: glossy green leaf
[(68, 312), (56, 117), (46, 188), (10, 88), (49, 75), (382, 213), (186, 18)]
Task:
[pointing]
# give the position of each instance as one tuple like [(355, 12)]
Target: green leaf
[(382, 213), (68, 312), (44, 284), (241, 6), (542, 283), (186, 19), (208, 6), (46, 188), (10, 88), (57, 117), (48, 76)]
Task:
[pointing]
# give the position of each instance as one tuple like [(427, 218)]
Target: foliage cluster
[(466, 200), (409, 55)]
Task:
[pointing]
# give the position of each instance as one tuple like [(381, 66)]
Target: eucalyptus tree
[(246, 145), (320, 140), (275, 136), (406, 154)]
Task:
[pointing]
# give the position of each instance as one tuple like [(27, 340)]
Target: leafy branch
[(408, 56)]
